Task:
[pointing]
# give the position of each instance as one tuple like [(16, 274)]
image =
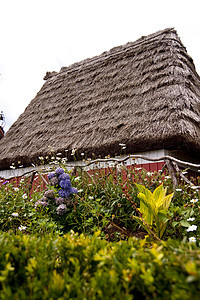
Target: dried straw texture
[(1, 133), (145, 94)]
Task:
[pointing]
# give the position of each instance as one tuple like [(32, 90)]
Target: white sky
[(37, 36)]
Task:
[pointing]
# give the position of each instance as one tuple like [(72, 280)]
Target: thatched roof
[(145, 94), (1, 133)]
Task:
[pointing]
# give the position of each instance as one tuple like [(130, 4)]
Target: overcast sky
[(43, 35)]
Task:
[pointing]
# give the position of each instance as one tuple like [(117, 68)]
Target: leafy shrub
[(153, 209), (81, 267)]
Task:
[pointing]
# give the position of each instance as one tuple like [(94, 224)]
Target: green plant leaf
[(174, 224), (159, 195), (161, 230), (162, 216), (167, 201), (147, 208), (184, 223)]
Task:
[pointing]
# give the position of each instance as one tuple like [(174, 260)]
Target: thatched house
[(145, 94)]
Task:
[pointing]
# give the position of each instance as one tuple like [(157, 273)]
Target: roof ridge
[(116, 51)]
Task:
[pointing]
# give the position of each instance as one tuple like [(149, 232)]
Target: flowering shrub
[(57, 202), (61, 181)]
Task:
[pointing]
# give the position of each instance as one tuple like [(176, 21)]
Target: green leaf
[(167, 201), (184, 223), (147, 208), (159, 195), (162, 216), (160, 227), (174, 224)]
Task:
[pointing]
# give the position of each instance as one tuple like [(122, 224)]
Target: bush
[(80, 267)]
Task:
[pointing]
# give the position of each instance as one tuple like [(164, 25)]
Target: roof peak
[(119, 49)]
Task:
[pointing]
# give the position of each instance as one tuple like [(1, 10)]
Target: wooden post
[(172, 173)]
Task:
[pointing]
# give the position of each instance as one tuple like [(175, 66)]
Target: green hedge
[(81, 267)]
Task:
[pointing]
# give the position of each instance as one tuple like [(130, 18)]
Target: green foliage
[(107, 200), (17, 212), (82, 267), (42, 258), (153, 209)]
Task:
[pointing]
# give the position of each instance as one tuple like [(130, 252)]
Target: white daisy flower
[(194, 200), (15, 214), (22, 228), (149, 173), (192, 239), (192, 228)]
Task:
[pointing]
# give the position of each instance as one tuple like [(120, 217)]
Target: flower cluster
[(192, 228), (61, 180), (41, 203)]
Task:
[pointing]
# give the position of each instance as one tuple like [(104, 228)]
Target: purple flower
[(73, 190), (61, 209), (53, 181), (59, 171), (5, 182), (51, 175), (65, 184), (63, 193), (64, 176), (49, 194), (59, 201), (40, 203)]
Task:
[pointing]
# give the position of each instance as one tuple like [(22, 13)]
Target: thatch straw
[(1, 133), (145, 94)]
